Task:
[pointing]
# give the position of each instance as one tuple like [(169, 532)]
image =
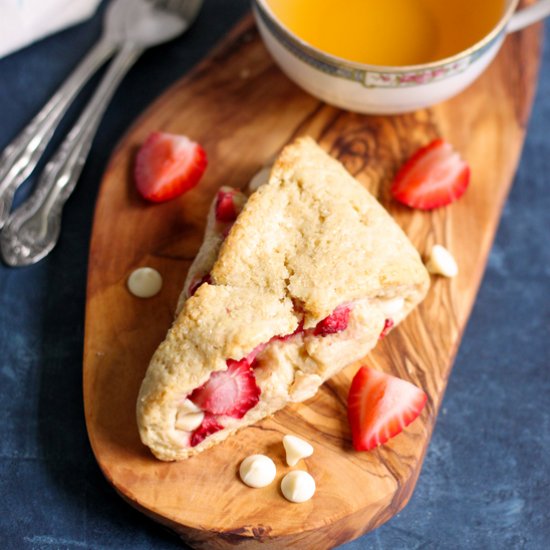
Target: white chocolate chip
[(298, 486), (257, 471), (188, 407), (442, 262), (392, 306), (296, 449), (189, 422), (144, 282), (304, 386), (189, 416)]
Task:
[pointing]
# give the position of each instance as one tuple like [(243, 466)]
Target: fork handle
[(33, 229), (20, 157)]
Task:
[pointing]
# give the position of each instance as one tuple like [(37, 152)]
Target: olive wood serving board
[(243, 110)]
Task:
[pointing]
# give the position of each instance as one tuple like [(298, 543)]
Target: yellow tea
[(389, 32)]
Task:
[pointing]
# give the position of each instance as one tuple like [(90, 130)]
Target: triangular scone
[(310, 274)]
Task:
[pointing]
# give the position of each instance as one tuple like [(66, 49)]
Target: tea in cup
[(389, 56)]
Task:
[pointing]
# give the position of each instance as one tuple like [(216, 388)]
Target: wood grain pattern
[(243, 110)]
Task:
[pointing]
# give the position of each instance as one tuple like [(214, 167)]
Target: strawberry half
[(168, 165), (208, 427), (380, 406), (434, 176), (337, 321), (231, 392)]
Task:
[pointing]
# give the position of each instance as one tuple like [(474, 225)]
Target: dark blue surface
[(486, 478)]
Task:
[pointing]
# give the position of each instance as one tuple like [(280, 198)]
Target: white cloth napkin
[(24, 21)]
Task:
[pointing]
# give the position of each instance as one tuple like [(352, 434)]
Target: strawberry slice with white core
[(168, 165), (434, 176), (380, 406), (337, 321), (231, 392)]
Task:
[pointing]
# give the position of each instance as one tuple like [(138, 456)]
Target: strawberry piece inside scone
[(336, 322), (224, 211), (227, 207), (208, 427), (230, 392)]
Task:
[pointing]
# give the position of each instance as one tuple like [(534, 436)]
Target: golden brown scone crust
[(308, 241)]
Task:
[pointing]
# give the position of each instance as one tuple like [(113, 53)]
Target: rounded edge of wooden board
[(324, 537)]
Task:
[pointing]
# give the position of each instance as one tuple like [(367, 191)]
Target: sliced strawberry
[(198, 282), (208, 427), (434, 176), (168, 165), (388, 325), (337, 321), (380, 406), (226, 208), (231, 392)]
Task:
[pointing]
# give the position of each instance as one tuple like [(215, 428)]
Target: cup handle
[(525, 17)]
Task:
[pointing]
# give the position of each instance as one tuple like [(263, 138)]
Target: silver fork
[(32, 230), (20, 157)]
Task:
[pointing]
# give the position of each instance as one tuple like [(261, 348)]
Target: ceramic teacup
[(379, 89)]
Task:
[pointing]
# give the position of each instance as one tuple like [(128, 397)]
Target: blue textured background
[(486, 478)]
